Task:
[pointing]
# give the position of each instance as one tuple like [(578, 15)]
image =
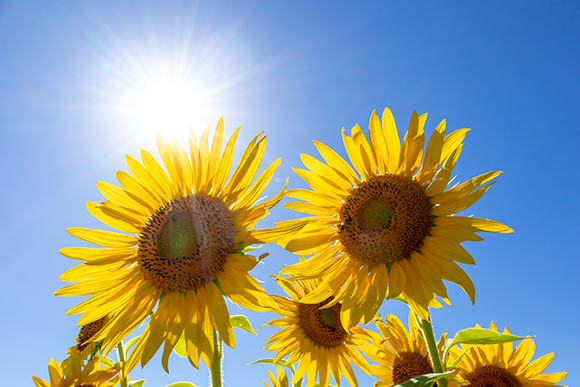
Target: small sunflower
[(392, 227), (314, 336), (280, 380), (499, 365), (401, 354), (85, 347), (73, 373), (185, 234)]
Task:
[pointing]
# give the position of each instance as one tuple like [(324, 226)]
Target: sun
[(169, 105)]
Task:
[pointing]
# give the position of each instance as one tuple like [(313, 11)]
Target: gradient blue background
[(301, 71)]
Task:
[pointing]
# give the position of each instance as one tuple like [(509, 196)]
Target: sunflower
[(314, 336), (185, 234), (280, 380), (85, 347), (498, 365), (73, 373), (401, 354), (392, 227)]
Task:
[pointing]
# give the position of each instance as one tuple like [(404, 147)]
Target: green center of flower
[(384, 219), (186, 242), (376, 215), (322, 326), (492, 376), (407, 365)]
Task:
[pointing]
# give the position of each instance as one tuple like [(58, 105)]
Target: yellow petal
[(392, 142), (432, 155), (442, 179), (452, 141), (412, 149), (97, 212), (461, 204), (254, 192), (462, 190), (103, 238), (338, 164)]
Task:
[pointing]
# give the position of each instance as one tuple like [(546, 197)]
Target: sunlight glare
[(170, 107)]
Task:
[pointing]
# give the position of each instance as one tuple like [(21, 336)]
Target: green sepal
[(245, 247), (400, 297), (136, 383), (162, 296), (240, 321), (181, 384), (179, 348), (105, 360), (280, 363), (482, 336), (318, 385), (131, 343), (424, 380), (217, 283), (96, 349), (454, 364)]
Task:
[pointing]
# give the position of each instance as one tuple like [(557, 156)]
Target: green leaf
[(281, 363), (242, 322), (318, 385), (180, 346), (181, 384), (136, 383), (424, 380), (482, 336)]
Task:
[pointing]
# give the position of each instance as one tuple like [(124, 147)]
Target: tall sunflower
[(182, 248), (73, 373), (401, 354), (392, 226), (499, 365), (314, 337)]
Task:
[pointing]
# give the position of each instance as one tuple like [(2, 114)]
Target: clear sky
[(75, 98)]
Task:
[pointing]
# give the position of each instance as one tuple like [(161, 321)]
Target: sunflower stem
[(216, 363), (427, 330), (121, 353)]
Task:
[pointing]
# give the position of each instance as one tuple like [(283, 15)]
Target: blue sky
[(73, 77)]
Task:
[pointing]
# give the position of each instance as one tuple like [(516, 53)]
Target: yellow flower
[(392, 226), (500, 365), (280, 380), (72, 373), (313, 336), (401, 354), (185, 231), (84, 344)]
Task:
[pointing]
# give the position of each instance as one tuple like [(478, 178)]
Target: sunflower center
[(492, 376), (88, 331), (384, 219), (322, 326), (407, 365), (186, 242)]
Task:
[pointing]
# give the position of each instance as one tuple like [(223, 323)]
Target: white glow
[(168, 106)]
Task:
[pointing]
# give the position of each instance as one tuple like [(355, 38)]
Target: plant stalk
[(438, 367), (121, 353), (216, 362)]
